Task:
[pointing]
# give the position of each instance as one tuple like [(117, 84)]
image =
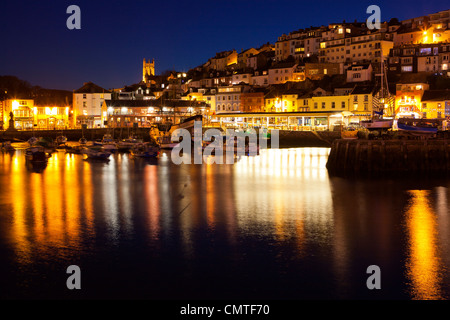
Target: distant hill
[(12, 87)]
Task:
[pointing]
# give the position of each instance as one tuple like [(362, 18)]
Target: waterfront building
[(361, 101), (22, 109), (143, 113), (87, 105), (436, 104), (51, 117), (409, 92)]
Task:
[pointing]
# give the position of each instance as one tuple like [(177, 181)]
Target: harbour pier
[(389, 157)]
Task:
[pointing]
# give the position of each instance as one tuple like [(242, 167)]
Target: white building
[(359, 72), (87, 105)]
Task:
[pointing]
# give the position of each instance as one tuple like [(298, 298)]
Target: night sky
[(116, 35)]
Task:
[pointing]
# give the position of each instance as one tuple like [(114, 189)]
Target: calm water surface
[(273, 226)]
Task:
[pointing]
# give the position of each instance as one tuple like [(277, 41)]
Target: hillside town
[(310, 79)]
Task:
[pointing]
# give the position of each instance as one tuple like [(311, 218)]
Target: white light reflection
[(284, 190), (110, 200)]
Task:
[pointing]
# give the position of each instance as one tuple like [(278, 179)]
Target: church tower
[(148, 69)]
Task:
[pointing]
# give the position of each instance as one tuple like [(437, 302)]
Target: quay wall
[(287, 139), (392, 157)]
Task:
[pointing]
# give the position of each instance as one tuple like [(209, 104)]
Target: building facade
[(87, 105)]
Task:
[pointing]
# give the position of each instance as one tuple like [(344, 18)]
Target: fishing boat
[(36, 154), (417, 126), (144, 150), (96, 153)]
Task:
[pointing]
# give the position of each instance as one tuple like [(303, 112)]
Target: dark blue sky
[(116, 35)]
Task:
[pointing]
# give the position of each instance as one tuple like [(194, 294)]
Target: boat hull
[(376, 125), (416, 129)]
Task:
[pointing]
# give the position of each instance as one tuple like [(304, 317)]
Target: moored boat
[(32, 141), (82, 141), (144, 150), (36, 154), (377, 124), (75, 149), (126, 145), (96, 153), (61, 141), (165, 141), (7, 147), (417, 126)]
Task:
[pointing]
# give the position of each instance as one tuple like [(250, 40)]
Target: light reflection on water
[(424, 267), (276, 223)]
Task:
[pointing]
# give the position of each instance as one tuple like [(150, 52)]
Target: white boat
[(377, 124)]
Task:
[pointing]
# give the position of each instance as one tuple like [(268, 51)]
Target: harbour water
[(272, 226)]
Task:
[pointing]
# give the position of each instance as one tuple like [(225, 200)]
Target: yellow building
[(51, 117), (22, 110), (408, 100), (223, 59), (435, 104), (27, 115)]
